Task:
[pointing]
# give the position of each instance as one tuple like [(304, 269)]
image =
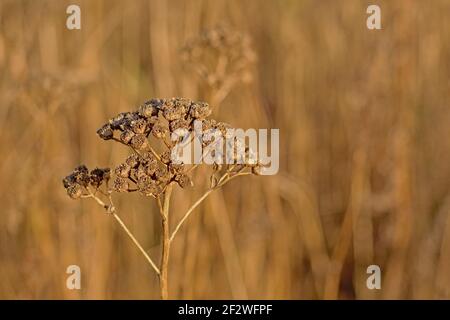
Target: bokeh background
[(364, 150)]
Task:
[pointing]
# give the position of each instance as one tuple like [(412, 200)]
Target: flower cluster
[(157, 117), (229, 50), (145, 170), (77, 182)]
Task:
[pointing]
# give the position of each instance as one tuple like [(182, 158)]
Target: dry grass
[(365, 147)]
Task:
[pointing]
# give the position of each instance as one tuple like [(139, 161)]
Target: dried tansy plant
[(153, 134)]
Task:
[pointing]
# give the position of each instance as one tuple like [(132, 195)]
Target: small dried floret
[(139, 173), (162, 175), (74, 191), (121, 184), (147, 186), (69, 181), (176, 168), (105, 132), (138, 126), (200, 110), (81, 175), (126, 136), (150, 168), (159, 130), (132, 160), (166, 157), (179, 124), (147, 157), (183, 180), (123, 170), (98, 176), (139, 142), (150, 108)]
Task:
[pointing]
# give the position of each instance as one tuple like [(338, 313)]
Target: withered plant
[(151, 169)]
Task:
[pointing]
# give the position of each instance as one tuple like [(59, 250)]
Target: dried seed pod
[(138, 126), (199, 110), (162, 175), (147, 186), (74, 191), (81, 175), (183, 180), (150, 108), (98, 176), (173, 113), (126, 136), (166, 157), (69, 181), (121, 184), (159, 130), (139, 173), (147, 157), (123, 170), (176, 168), (132, 160), (179, 124), (150, 168), (139, 142), (105, 132)]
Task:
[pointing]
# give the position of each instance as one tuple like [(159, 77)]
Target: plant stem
[(165, 243), (124, 227)]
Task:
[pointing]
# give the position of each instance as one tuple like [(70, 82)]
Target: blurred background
[(364, 150)]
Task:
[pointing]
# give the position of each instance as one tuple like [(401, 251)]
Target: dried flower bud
[(74, 191), (139, 173), (199, 110), (123, 170), (126, 136), (162, 175), (121, 184), (132, 160), (105, 132), (98, 176), (166, 157), (183, 180), (147, 157), (179, 124), (147, 186), (150, 108), (150, 168), (139, 126), (81, 175), (176, 168), (159, 130), (139, 142)]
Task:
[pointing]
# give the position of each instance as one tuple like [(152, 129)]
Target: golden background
[(364, 150)]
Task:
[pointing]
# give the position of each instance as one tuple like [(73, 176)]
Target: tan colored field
[(364, 175)]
